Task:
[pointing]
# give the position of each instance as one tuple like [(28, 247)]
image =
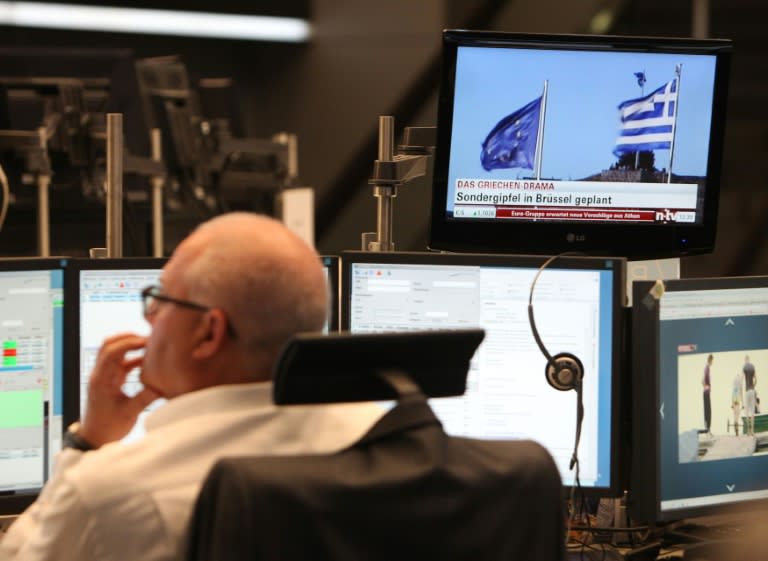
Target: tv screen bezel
[(331, 263), (610, 238), (617, 475)]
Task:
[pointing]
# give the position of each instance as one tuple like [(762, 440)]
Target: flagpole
[(540, 133), (679, 72), (641, 83)]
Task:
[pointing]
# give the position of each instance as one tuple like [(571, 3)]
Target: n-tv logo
[(668, 215)]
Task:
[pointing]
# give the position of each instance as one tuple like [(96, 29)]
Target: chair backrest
[(406, 490)]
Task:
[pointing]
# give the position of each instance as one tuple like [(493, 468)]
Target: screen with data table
[(106, 300), (31, 376), (576, 303)]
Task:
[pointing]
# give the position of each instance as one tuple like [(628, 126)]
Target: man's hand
[(110, 414)]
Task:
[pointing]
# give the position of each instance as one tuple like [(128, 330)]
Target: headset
[(563, 371)]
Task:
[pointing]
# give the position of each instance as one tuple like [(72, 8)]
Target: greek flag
[(512, 142), (647, 123)]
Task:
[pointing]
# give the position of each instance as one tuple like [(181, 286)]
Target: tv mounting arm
[(391, 171)]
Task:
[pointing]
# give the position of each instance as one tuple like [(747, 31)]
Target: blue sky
[(582, 123)]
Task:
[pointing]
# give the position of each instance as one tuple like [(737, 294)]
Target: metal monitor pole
[(157, 181), (385, 191), (700, 19), (391, 171), (114, 185), (43, 203)]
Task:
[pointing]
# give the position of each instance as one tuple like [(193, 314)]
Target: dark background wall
[(368, 58)]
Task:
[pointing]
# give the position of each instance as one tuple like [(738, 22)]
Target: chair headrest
[(343, 367)]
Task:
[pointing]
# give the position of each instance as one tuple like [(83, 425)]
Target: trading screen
[(507, 395), (31, 326), (110, 303)]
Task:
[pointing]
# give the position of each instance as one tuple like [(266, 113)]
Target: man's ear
[(212, 334)]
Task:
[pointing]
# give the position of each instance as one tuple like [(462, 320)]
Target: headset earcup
[(564, 371)]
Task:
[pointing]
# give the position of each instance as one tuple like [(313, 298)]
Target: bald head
[(269, 281)]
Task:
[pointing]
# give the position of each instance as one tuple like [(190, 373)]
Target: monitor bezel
[(617, 239), (618, 264), (14, 503), (332, 264), (72, 304), (644, 492)]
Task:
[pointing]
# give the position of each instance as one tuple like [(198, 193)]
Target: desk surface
[(728, 537)]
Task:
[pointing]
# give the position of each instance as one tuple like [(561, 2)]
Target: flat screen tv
[(31, 376), (577, 302), (595, 144), (699, 396)]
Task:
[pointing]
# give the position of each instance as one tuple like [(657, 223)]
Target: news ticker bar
[(576, 214)]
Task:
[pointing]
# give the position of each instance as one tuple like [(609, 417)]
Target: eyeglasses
[(152, 295)]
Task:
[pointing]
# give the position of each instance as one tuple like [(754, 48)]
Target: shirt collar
[(216, 399)]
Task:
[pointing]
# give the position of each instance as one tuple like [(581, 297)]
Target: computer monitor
[(604, 145), (103, 299), (331, 268), (576, 304), (692, 451), (31, 376)]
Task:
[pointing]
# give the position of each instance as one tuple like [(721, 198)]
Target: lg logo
[(570, 237)]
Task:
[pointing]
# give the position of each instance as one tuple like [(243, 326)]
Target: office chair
[(405, 490)]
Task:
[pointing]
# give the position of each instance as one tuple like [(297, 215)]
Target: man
[(706, 381), (232, 294), (750, 379), (737, 400)]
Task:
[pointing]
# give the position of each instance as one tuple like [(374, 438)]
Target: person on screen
[(750, 399), (737, 399), (231, 295), (706, 381)]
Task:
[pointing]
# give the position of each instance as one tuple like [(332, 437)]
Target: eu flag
[(512, 142), (647, 123)]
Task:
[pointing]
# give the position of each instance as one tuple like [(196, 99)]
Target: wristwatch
[(72, 439)]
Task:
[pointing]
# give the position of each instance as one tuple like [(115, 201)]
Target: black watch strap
[(73, 440)]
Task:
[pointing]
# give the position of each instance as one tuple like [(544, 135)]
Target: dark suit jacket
[(406, 490)]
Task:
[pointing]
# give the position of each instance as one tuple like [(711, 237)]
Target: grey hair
[(269, 282)]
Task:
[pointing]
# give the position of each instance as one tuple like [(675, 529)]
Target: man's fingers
[(121, 344), (120, 337), (112, 366), (131, 363)]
